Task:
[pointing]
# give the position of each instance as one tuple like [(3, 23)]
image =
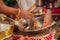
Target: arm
[(13, 11), (6, 9)]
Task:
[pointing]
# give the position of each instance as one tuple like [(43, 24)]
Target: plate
[(41, 28)]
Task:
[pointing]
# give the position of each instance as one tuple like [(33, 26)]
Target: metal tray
[(39, 19), (39, 29)]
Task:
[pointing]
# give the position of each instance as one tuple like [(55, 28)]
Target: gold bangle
[(17, 16)]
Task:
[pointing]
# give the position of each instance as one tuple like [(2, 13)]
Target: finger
[(28, 17), (30, 14)]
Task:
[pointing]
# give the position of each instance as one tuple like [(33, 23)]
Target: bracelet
[(17, 16)]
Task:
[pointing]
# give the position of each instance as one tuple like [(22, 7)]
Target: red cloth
[(56, 10)]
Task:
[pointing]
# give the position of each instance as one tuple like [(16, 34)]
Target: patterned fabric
[(49, 36)]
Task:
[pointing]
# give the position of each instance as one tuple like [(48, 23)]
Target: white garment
[(25, 4)]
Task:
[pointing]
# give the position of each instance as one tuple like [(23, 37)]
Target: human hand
[(26, 15)]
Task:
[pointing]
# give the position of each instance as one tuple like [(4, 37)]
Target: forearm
[(1, 2), (7, 10)]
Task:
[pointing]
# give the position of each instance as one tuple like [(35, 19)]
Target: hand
[(26, 15)]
